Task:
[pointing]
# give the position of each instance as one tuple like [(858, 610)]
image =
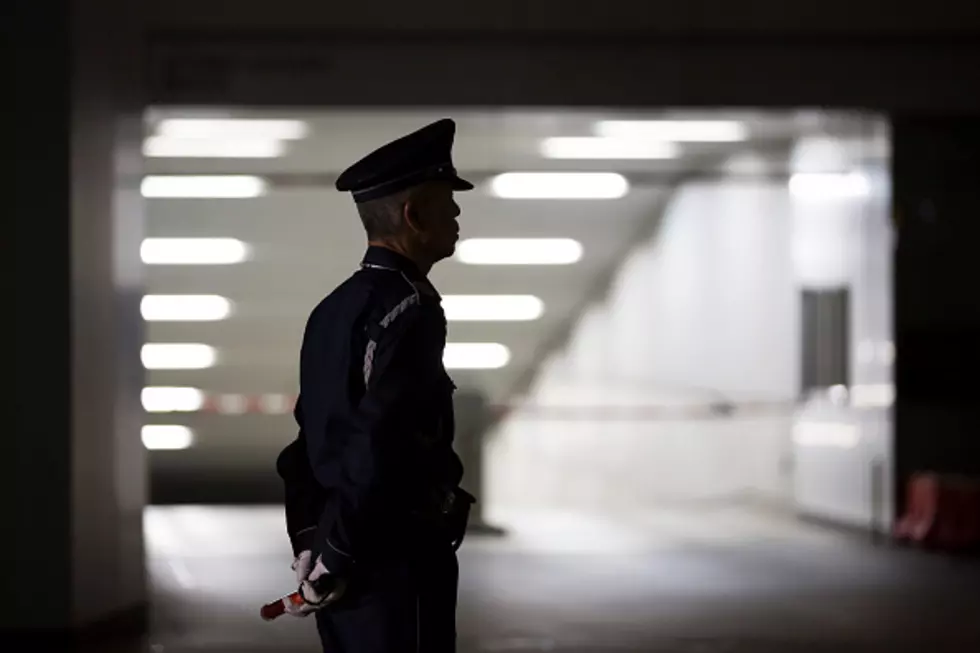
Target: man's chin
[(447, 251)]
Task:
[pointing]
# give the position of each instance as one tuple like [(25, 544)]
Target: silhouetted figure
[(373, 505)]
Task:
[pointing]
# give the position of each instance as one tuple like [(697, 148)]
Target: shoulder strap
[(376, 330)]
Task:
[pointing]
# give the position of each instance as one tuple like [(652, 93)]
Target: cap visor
[(461, 184)]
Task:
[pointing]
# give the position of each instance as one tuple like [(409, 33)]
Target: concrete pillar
[(936, 165), (472, 421), (74, 484)]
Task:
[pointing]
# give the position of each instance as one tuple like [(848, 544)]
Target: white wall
[(843, 435), (710, 309), (707, 309)]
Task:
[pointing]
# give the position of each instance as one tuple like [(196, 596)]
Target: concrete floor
[(711, 580)]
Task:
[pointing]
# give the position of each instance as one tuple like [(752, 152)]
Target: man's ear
[(411, 216)]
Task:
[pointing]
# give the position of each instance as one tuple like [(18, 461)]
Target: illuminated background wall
[(634, 305)]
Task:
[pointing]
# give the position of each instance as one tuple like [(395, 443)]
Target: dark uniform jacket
[(373, 459)]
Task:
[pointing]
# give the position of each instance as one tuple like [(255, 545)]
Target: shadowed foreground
[(708, 581)]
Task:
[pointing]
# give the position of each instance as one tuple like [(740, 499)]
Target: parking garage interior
[(697, 427)]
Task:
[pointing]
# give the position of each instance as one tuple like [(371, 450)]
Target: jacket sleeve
[(303, 496), (307, 465), (400, 367)]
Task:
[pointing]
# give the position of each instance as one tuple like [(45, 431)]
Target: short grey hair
[(382, 217)]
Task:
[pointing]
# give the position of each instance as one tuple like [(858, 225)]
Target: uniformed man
[(374, 510)]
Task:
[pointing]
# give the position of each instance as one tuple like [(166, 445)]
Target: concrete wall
[(707, 310), (843, 451), (75, 483), (937, 315), (108, 488)]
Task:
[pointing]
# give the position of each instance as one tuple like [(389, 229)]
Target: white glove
[(313, 600), (303, 565), (306, 587)]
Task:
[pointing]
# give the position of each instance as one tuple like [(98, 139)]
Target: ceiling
[(306, 238)]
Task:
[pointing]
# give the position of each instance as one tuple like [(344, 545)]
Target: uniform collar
[(386, 258)]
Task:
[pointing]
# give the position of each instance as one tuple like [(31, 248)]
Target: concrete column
[(472, 421), (936, 165), (75, 482)]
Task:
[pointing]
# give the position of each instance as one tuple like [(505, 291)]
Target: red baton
[(278, 607)]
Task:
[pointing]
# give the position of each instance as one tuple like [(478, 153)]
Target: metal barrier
[(283, 404)]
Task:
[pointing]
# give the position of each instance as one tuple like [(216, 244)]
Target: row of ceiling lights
[(471, 251), (613, 140), (268, 138), (218, 251), (224, 138), (458, 308), (509, 185), (188, 137), (196, 138)]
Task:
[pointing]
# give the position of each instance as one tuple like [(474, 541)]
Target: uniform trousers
[(405, 603)]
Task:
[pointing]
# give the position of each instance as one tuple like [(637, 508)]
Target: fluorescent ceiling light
[(827, 186), (492, 308), (285, 130), (559, 185), (203, 186), (193, 251), (166, 437), (519, 251), (475, 356), (178, 356), (180, 308), (163, 399), (195, 148), (703, 131), (607, 148)]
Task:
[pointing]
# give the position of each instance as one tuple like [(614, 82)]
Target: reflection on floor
[(721, 580)]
